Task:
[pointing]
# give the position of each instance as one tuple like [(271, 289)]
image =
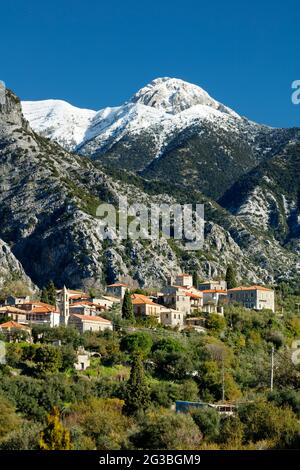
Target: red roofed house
[(13, 313), (40, 313), (89, 323), (143, 306), (254, 297), (10, 327), (117, 290)]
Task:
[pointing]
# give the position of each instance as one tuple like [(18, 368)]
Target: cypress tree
[(51, 293), (230, 277), (44, 295), (55, 436), (195, 279), (127, 307), (137, 391)]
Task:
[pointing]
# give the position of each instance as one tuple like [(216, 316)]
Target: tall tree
[(127, 307), (195, 279), (230, 277), (137, 391), (44, 295), (51, 293), (55, 436)]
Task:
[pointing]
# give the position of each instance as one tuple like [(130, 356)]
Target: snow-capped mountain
[(169, 130), (58, 120), (166, 104)]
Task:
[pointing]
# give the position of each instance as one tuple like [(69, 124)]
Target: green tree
[(164, 429), (195, 279), (47, 359), (137, 343), (127, 307), (48, 294), (9, 420), (55, 436), (230, 277), (208, 421), (51, 293), (44, 295), (137, 392)]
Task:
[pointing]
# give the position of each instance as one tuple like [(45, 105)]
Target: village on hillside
[(178, 305)]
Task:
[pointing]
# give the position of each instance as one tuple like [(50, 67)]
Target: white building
[(170, 317), (117, 289), (89, 323), (184, 280), (253, 297), (210, 285)]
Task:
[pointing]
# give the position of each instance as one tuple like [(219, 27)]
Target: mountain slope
[(48, 202), (268, 197), (169, 130)]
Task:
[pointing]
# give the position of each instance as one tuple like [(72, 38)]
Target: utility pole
[(272, 369)]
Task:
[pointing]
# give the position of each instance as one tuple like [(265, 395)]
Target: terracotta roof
[(193, 295), (183, 275), (138, 299), (87, 303), (38, 307), (13, 324), (118, 284), (41, 310), (211, 291), (90, 318), (78, 296), (242, 288), (11, 309)]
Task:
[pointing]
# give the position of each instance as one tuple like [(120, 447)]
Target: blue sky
[(98, 53)]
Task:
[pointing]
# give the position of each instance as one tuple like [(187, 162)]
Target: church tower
[(64, 307)]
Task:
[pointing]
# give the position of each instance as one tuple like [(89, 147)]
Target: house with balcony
[(40, 313), (253, 297)]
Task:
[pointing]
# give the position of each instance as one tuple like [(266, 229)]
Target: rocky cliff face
[(48, 203), (10, 268)]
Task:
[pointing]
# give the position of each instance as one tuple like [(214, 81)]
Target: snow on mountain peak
[(58, 120), (174, 95)]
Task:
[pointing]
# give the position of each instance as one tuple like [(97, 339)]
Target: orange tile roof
[(11, 309), (78, 296), (12, 324), (193, 295), (91, 318), (38, 307), (210, 291), (138, 299), (255, 287), (183, 275)]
